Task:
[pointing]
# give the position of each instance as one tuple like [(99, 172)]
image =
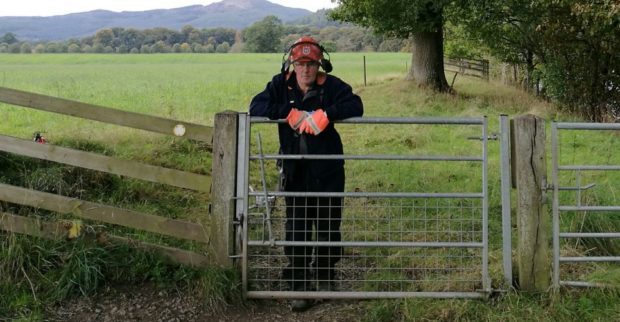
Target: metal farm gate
[(398, 242), (585, 220)]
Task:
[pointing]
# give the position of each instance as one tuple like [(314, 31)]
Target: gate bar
[(590, 259), (588, 126), (389, 120), (361, 295), (589, 208), (244, 124), (486, 280), (556, 205), (590, 167), (587, 235), (368, 194), (367, 244), (363, 157), (505, 187)]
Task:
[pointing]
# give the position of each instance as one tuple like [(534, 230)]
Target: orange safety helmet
[(306, 49)]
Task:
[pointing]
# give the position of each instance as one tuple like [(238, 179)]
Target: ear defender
[(326, 64)]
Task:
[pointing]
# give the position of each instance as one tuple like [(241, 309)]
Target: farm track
[(148, 303)]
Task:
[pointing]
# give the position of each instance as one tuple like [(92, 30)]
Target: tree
[(131, 38), (39, 49), (122, 49), (73, 48), (222, 48), (25, 48), (52, 47), (572, 46), (264, 36), (582, 56), (508, 29), (421, 20), (9, 38), (186, 48), (104, 37), (160, 47), (98, 48), (198, 48), (208, 48)]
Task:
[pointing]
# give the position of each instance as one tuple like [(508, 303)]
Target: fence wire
[(394, 245)]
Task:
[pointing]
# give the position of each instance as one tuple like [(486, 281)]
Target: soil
[(149, 303)]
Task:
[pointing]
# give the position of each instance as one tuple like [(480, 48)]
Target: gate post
[(533, 222), (224, 165)]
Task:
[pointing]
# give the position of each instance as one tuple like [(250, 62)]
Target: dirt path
[(148, 303)]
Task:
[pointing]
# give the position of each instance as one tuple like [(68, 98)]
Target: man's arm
[(269, 102), (345, 103)]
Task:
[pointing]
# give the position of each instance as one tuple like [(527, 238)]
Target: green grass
[(35, 273), (186, 87)]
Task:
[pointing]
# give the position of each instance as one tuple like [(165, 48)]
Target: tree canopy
[(264, 36), (423, 21)]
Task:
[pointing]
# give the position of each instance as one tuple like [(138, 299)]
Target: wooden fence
[(99, 212), (469, 67)]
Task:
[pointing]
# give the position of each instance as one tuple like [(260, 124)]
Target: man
[(310, 101)]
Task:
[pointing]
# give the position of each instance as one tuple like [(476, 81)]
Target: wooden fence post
[(224, 165), (533, 222)]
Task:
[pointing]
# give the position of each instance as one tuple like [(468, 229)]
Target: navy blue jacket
[(332, 95)]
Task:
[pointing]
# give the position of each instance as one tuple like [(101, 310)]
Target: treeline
[(267, 35), (123, 41)]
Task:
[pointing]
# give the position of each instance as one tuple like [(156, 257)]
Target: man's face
[(305, 72)]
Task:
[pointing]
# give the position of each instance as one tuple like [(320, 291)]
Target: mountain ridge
[(235, 14)]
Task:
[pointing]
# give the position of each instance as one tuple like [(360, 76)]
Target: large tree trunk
[(427, 61)]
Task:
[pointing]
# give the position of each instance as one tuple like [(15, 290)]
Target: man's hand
[(296, 118), (315, 123)]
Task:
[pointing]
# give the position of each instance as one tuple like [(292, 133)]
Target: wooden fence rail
[(59, 231), (94, 211), (105, 114), (33, 227), (108, 214), (469, 67), (107, 164)]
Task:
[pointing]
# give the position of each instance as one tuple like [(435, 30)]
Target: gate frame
[(555, 127), (243, 194)]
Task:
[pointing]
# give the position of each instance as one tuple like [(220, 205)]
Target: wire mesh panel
[(407, 224), (586, 206)]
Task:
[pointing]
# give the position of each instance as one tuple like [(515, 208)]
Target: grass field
[(195, 87), (186, 87)]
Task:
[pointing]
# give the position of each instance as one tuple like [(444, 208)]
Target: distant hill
[(227, 13)]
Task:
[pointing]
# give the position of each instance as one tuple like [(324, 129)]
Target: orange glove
[(296, 118), (315, 122)]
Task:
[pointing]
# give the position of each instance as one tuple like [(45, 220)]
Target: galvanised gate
[(421, 230), (585, 210)]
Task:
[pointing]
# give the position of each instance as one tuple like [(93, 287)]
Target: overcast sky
[(61, 7)]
